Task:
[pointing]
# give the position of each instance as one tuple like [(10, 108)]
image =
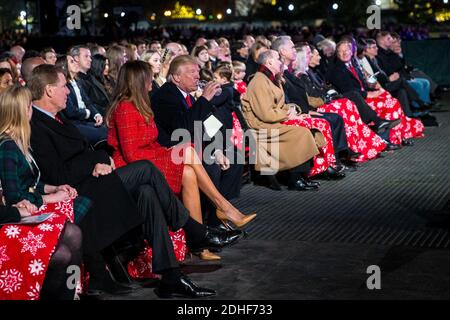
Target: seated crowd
[(107, 142)]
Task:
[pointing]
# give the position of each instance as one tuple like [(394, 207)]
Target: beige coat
[(279, 147)]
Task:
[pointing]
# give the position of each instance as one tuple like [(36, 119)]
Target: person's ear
[(176, 77), (49, 90)]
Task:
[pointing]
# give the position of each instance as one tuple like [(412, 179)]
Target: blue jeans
[(422, 87)]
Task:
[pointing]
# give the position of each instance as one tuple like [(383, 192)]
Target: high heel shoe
[(238, 223), (209, 256)]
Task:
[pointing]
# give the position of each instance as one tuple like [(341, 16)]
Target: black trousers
[(404, 93), (299, 171), (337, 130), (160, 208), (228, 183), (365, 111)]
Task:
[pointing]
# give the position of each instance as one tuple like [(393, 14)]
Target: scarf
[(263, 69)]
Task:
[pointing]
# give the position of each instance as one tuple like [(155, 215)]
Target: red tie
[(188, 100), (57, 118), (353, 71)]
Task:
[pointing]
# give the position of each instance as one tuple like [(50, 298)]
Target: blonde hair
[(300, 62), (14, 123), (239, 66)]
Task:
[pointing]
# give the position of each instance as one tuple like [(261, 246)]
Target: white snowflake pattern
[(36, 267), (377, 141), (362, 145), (372, 153), (65, 208), (32, 243), (395, 115), (34, 291), (418, 126), (10, 280), (366, 132), (45, 227), (352, 118), (3, 256), (59, 226), (12, 232)]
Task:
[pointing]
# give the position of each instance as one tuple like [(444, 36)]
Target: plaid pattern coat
[(20, 180)]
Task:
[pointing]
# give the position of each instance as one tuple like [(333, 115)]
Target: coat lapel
[(179, 96), (66, 129)]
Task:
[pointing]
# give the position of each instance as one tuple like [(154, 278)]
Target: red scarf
[(263, 69)]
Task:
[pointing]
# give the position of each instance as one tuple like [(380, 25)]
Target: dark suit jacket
[(296, 91), (172, 112), (251, 67), (73, 112), (391, 62), (64, 157), (9, 214), (95, 91), (344, 80), (63, 154), (381, 77)]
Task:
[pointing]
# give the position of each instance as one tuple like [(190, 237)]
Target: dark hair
[(132, 86), (226, 64), (47, 50), (206, 75), (369, 42), (224, 72), (3, 71), (75, 50), (139, 42), (62, 63), (30, 54), (98, 67), (237, 45), (196, 51), (395, 35)]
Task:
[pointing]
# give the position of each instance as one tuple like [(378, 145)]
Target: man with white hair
[(18, 53), (175, 48), (288, 55), (279, 146)]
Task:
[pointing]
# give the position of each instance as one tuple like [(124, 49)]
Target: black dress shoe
[(183, 288), (229, 227), (302, 185), (269, 181), (391, 146), (408, 142), (387, 125), (310, 182), (334, 174), (217, 239)]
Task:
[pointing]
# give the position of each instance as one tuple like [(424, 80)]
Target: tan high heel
[(238, 223), (209, 256)]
